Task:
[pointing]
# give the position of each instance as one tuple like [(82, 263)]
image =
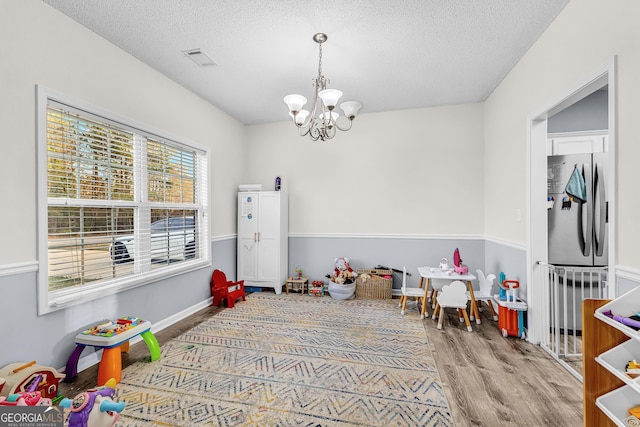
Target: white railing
[(566, 288)]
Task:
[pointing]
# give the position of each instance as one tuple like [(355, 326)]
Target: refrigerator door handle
[(588, 233), (602, 206)]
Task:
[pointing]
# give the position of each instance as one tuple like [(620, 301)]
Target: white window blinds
[(124, 206)]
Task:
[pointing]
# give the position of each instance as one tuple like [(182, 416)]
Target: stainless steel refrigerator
[(577, 236), (578, 232)]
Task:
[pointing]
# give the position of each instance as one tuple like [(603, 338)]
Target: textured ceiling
[(388, 54)]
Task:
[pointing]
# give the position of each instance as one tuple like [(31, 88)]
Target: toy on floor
[(343, 274), (25, 398), (511, 309), (30, 397), (508, 289), (21, 377), (227, 290), (94, 407)]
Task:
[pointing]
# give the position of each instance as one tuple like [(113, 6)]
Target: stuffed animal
[(342, 264), (343, 273)]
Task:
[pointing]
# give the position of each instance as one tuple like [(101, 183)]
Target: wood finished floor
[(489, 380)]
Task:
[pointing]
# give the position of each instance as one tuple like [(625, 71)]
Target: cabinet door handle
[(254, 237), (258, 236)]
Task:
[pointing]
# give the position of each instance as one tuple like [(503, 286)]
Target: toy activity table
[(113, 338), (429, 273)]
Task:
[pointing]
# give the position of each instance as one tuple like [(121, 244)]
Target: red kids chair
[(222, 288)]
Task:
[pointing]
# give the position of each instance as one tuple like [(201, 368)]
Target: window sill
[(65, 299)]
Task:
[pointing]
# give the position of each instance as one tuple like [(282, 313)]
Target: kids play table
[(435, 273), (113, 338), (296, 283)]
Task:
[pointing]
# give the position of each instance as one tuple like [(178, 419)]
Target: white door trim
[(537, 192)]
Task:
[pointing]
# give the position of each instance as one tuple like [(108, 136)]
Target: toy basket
[(378, 285)]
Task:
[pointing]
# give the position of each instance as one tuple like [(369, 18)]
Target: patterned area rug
[(291, 360)]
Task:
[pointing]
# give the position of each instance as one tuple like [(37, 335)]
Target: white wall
[(40, 46), (416, 172), (585, 35)]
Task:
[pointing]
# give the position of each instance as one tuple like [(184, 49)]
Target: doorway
[(538, 295)]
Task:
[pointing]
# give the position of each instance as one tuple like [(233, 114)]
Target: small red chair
[(221, 288)]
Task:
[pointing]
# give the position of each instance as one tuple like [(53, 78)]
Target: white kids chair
[(484, 293), (407, 292), (436, 286), (453, 295)]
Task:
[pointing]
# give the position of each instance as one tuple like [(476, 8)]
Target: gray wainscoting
[(509, 259), (316, 254), (49, 339), (624, 285)]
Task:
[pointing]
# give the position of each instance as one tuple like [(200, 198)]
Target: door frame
[(605, 75)]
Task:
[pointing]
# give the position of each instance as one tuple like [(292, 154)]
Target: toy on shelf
[(632, 369), (633, 321), (634, 413), (94, 407), (30, 377)]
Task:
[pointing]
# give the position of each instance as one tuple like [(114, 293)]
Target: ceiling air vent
[(199, 57)]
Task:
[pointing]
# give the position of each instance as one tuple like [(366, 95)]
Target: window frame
[(50, 301)]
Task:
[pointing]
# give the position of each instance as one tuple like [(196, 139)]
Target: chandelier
[(324, 125)]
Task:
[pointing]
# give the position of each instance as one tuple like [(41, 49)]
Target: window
[(119, 205)]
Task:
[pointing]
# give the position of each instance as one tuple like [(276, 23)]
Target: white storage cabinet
[(263, 238)]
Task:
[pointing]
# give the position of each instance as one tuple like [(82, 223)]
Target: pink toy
[(25, 398), (94, 408), (457, 263)]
